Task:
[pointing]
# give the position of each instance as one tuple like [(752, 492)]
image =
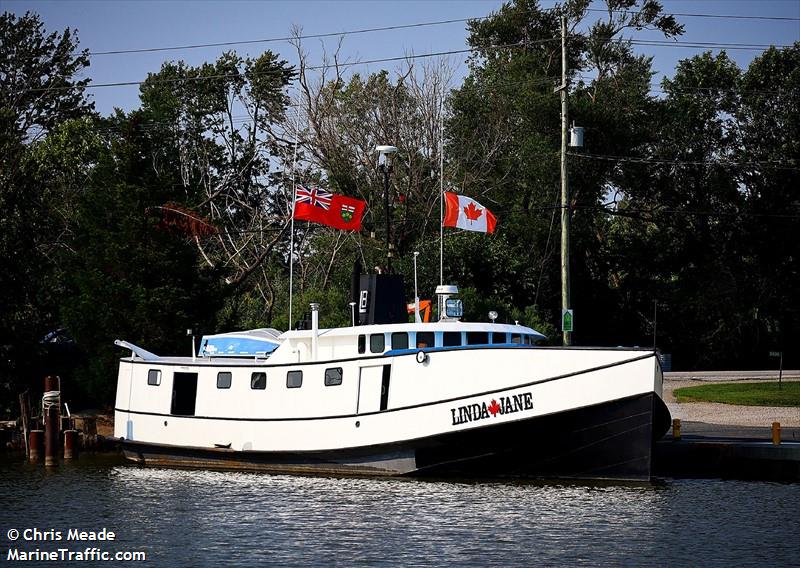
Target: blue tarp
[(233, 345)]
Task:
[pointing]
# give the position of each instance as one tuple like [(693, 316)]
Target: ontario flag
[(464, 213), (320, 206)]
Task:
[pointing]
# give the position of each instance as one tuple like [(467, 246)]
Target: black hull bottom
[(613, 440)]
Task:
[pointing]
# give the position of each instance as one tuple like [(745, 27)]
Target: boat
[(385, 397)]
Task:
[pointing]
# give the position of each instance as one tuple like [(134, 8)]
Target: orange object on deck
[(424, 310)]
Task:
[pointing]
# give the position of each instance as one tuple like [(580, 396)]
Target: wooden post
[(676, 429), (35, 445), (52, 424), (69, 444), (565, 205), (25, 414), (51, 437), (776, 433)]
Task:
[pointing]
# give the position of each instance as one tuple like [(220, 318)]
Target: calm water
[(199, 518)]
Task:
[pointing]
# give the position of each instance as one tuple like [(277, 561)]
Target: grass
[(746, 394)]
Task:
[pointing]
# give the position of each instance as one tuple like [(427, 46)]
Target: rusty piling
[(35, 445), (70, 447), (51, 402)]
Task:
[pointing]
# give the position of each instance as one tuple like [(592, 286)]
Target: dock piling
[(51, 402), (676, 429), (35, 445), (70, 436), (776, 433)]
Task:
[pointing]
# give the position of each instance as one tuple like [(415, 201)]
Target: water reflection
[(199, 517)]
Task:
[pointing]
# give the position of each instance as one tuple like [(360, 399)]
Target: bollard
[(52, 383), (35, 445), (776, 433), (51, 437), (70, 448), (676, 429), (51, 403)]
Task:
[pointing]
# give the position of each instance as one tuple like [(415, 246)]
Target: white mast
[(294, 200), (441, 188)]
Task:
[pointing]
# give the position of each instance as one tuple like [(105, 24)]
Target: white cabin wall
[(313, 398), (149, 397), (123, 385)]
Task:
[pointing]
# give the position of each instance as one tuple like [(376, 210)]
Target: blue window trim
[(396, 352)]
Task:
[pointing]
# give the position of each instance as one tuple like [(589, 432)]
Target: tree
[(505, 137), (217, 140), (768, 150), (39, 96), (709, 216), (341, 121), (127, 274)]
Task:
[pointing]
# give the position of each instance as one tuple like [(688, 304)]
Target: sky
[(124, 25)]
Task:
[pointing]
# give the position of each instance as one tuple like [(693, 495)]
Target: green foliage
[(38, 87), (747, 394), (174, 216), (39, 96)]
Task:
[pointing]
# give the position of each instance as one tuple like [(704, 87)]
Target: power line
[(414, 57), (276, 72), (392, 28), (700, 213), (703, 44), (284, 39), (719, 16), (772, 164), (623, 211)]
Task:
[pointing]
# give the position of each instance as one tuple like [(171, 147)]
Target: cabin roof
[(439, 326)]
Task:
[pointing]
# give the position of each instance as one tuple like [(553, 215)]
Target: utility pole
[(565, 211)]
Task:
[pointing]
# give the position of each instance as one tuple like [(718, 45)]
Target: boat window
[(400, 340), (477, 338), (224, 380), (377, 343), (258, 381), (527, 339), (498, 337), (426, 339), (154, 377), (333, 377), (451, 338), (362, 343), (516, 338), (294, 379)]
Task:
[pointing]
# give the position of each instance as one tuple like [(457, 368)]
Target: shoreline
[(729, 414)]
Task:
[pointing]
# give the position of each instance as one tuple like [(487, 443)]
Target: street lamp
[(385, 154)]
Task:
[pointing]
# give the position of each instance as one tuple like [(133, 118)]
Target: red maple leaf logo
[(472, 212), (494, 408)]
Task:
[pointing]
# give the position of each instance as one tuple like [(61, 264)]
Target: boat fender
[(421, 356)]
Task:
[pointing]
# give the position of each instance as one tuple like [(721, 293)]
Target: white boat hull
[(589, 413)]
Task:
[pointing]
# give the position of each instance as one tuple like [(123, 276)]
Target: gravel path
[(727, 414)]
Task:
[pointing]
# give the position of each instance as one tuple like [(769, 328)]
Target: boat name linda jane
[(507, 405)]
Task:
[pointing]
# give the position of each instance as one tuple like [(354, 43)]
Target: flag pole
[(294, 201), (441, 188)]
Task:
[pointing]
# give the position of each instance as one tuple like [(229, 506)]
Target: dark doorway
[(184, 393), (387, 373)]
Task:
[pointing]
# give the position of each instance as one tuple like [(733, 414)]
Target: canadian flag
[(465, 213)]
